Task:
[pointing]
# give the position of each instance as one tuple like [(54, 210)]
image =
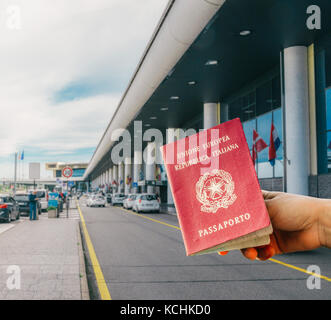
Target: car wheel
[(18, 216), (9, 218)]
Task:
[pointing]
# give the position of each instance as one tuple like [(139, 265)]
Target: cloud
[(64, 71)]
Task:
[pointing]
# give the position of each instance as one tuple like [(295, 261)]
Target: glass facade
[(257, 111), (328, 125)]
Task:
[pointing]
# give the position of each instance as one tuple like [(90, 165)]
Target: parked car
[(129, 201), (96, 201), (118, 199), (42, 196), (9, 209), (146, 203), (22, 200)]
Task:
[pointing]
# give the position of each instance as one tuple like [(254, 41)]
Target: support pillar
[(210, 115), (150, 167), (296, 119), (121, 177), (115, 177), (127, 175), (137, 163), (171, 134)]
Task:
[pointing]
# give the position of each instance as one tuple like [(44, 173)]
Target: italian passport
[(216, 192)]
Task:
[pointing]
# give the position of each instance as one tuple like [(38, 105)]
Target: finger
[(274, 244), (266, 252), (268, 195), (249, 253), (223, 253)]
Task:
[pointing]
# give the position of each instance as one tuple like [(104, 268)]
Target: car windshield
[(133, 197), (119, 195), (100, 198), (148, 197), (22, 197)]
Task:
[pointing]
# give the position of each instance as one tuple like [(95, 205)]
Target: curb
[(84, 290)]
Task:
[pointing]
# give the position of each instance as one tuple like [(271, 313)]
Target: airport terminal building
[(265, 62)]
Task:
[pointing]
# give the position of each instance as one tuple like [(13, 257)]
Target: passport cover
[(216, 191)]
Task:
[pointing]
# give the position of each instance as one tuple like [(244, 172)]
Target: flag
[(128, 180), (22, 155), (274, 145), (258, 145), (329, 147)]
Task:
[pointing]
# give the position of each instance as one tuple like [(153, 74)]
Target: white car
[(129, 201), (96, 201), (146, 203), (118, 198), (42, 195)]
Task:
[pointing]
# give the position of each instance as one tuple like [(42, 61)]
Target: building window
[(262, 125), (328, 126), (278, 123), (258, 110)]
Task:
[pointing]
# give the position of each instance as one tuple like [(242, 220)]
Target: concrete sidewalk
[(47, 255)]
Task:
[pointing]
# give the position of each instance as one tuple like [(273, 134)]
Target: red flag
[(258, 145)]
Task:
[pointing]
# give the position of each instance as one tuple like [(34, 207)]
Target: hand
[(299, 223)]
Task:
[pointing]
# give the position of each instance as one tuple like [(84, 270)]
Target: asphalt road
[(145, 259)]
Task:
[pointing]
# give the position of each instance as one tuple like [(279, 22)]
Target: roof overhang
[(194, 31), (180, 25)]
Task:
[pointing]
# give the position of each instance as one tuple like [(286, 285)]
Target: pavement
[(42, 259), (142, 256)]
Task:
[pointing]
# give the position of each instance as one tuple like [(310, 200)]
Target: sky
[(64, 65)]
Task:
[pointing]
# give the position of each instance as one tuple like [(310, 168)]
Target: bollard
[(68, 205)]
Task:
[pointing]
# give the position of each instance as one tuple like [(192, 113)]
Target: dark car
[(23, 204), (9, 209)]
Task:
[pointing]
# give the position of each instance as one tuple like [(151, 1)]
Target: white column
[(150, 166), (296, 119), (115, 177), (171, 134), (210, 115), (121, 177), (137, 163), (127, 174), (110, 176)]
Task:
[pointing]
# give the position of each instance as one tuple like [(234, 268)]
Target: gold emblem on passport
[(215, 190)]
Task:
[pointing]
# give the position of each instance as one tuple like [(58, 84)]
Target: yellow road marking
[(101, 283), (158, 221), (300, 269), (273, 260)]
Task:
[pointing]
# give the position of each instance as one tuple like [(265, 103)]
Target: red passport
[(216, 191)]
